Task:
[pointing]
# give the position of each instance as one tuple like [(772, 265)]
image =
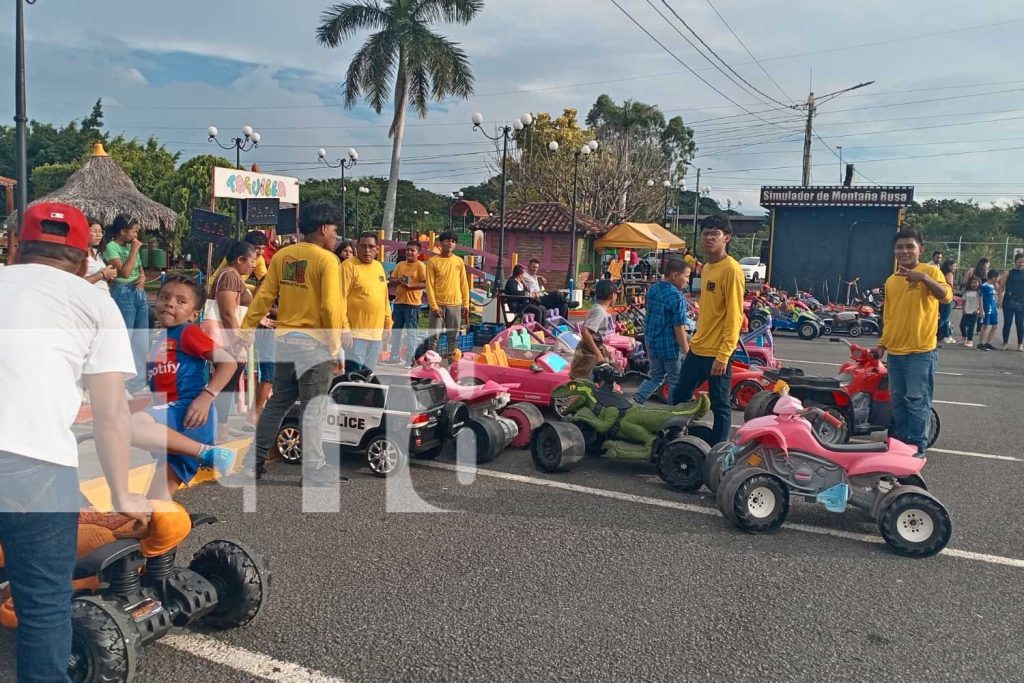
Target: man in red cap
[(55, 330)]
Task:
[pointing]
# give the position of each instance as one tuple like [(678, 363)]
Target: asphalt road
[(603, 573)]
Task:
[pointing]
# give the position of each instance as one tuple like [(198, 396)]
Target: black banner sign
[(836, 196)]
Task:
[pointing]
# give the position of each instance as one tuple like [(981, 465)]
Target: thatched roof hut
[(102, 190)]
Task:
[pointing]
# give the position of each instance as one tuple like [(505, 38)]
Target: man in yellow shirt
[(304, 279), (411, 278), (365, 311), (447, 290), (722, 287), (910, 317)]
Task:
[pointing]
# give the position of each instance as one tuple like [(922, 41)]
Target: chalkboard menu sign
[(261, 211), (207, 227), (287, 221)]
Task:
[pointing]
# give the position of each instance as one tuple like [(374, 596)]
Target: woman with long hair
[(98, 272), (230, 294), (345, 250), (128, 288)]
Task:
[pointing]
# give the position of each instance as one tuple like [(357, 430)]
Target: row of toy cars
[(805, 315)]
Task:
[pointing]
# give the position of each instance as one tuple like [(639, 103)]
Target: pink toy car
[(533, 383), (775, 457), (495, 422)]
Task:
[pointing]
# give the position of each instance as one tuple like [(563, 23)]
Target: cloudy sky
[(946, 111)]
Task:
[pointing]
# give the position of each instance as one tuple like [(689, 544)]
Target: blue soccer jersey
[(176, 366)]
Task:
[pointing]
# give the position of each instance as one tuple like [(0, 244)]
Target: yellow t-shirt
[(447, 284), (911, 313), (721, 310), (365, 310), (304, 279), (417, 273), (259, 271)]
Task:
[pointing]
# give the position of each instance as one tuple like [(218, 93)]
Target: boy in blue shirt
[(665, 329), (180, 427), (989, 312)]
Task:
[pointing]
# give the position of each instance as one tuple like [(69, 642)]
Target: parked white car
[(753, 269)]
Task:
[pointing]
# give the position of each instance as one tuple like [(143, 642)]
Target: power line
[(709, 49), (749, 53)]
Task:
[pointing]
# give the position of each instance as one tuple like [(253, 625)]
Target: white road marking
[(255, 664), (959, 403), (836, 365), (987, 456), (701, 510)]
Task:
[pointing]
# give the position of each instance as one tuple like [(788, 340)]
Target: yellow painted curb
[(139, 478)]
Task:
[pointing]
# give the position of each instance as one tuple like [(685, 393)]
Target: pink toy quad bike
[(775, 457), (485, 410)]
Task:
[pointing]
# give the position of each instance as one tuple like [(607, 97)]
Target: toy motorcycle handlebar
[(856, 350), (826, 416), (606, 373)]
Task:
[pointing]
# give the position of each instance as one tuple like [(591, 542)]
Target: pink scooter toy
[(775, 457)]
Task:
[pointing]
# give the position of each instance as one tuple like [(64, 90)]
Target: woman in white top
[(98, 272)]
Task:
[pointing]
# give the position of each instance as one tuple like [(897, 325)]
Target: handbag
[(212, 323)]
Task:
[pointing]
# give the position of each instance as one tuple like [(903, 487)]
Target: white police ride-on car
[(389, 418)]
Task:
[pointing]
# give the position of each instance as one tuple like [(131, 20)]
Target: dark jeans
[(406, 321), (967, 324), (39, 532), (695, 371), (911, 387), (1015, 317), (303, 374), (134, 308), (945, 313)]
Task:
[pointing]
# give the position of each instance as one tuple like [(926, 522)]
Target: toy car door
[(357, 409)]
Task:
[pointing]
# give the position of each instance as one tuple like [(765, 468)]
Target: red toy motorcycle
[(859, 398)]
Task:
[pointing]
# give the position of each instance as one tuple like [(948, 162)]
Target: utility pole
[(808, 132), (20, 115)]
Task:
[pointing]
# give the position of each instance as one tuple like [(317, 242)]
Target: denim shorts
[(991, 317), (266, 354), (172, 415)]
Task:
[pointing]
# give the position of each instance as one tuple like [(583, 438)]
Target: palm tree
[(425, 66)]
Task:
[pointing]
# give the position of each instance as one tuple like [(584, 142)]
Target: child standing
[(990, 312), (591, 351), (180, 426), (972, 307)]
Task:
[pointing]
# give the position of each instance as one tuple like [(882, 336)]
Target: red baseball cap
[(57, 224)]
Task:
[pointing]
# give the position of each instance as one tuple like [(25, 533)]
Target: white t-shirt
[(597, 319), (54, 328), (97, 265), (532, 285), (972, 302)]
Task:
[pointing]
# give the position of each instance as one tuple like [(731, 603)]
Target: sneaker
[(1020, 347), (949, 340), (217, 458), (968, 344), (324, 476)]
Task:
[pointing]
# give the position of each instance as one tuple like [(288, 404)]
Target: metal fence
[(968, 253)]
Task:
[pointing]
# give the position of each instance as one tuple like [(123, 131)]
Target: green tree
[(192, 187), (150, 165), (48, 178), (423, 65)]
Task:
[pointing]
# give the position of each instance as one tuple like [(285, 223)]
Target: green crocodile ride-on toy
[(601, 421)]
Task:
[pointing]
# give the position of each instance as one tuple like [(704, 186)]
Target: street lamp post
[(343, 164), (667, 184), (362, 190), (505, 134), (249, 140), (20, 113), (675, 218), (583, 152), (696, 208)]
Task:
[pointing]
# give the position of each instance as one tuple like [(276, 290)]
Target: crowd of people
[(985, 292)]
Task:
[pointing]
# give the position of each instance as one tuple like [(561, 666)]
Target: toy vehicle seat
[(168, 526)]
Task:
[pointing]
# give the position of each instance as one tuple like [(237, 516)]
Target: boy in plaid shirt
[(665, 329)]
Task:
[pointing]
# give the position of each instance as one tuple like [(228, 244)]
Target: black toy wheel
[(727, 490), (760, 502), (743, 392), (826, 432), (855, 331), (289, 442), (557, 447), (384, 456), (242, 580), (826, 330), (914, 524), (934, 427), (105, 643), (489, 437), (454, 416), (713, 466), (527, 418), (681, 463), (808, 330), (757, 322), (760, 405)]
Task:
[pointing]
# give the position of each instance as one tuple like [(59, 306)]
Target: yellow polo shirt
[(365, 310), (447, 284), (417, 273), (911, 312)]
